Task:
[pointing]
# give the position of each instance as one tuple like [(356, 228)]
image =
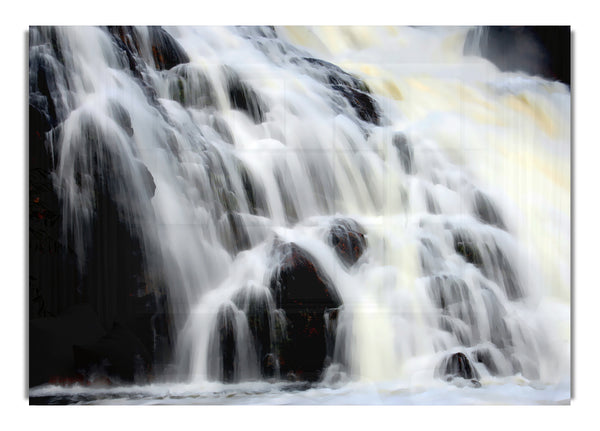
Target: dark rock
[(255, 193), (119, 356), (305, 293), (457, 365), (233, 232), (269, 366), (147, 178), (191, 87), (364, 105), (121, 116), (166, 51), (465, 247), (51, 341), (536, 50), (348, 239), (259, 309), (337, 76), (404, 150), (354, 90), (244, 97), (225, 345)]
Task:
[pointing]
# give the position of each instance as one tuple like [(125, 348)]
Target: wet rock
[(304, 292), (121, 116), (166, 51), (226, 344), (536, 50), (354, 90), (258, 307), (486, 211), (348, 238), (51, 341), (457, 365), (233, 232), (119, 355), (404, 150), (147, 178), (465, 247), (364, 105), (244, 97), (269, 366), (255, 193), (191, 87)]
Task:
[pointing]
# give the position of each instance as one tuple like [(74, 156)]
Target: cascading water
[(353, 207)]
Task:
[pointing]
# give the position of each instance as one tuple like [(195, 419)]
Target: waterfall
[(325, 205)]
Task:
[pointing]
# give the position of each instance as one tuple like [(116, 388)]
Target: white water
[(470, 128)]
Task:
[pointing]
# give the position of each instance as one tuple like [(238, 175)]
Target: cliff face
[(537, 50)]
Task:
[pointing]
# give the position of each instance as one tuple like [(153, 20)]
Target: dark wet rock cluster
[(458, 365), (354, 90), (348, 239), (112, 285)]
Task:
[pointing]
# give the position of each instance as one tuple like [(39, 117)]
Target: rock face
[(51, 341), (348, 239), (113, 283), (118, 355), (166, 51), (537, 50), (305, 293)]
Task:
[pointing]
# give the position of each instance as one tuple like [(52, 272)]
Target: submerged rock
[(458, 365), (348, 238), (305, 293)]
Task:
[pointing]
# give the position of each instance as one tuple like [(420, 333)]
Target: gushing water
[(427, 193)]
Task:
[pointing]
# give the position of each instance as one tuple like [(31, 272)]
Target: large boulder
[(307, 295), (348, 239)]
